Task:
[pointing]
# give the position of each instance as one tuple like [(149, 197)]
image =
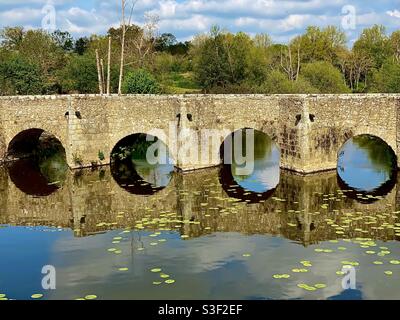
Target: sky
[(281, 19)]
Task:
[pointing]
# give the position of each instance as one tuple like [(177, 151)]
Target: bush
[(325, 77), (278, 83), (387, 79), (142, 82)]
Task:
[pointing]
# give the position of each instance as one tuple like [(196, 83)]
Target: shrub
[(325, 77), (142, 82)]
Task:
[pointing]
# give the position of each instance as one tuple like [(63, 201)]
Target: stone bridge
[(309, 129)]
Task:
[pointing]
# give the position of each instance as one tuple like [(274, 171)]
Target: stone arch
[(346, 182), (26, 140), (127, 175)]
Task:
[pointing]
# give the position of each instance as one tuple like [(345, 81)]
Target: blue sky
[(282, 19)]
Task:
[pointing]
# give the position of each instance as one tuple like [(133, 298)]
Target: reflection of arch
[(124, 170), (389, 157), (26, 176), (33, 176), (262, 168), (227, 182), (382, 191), (26, 141)]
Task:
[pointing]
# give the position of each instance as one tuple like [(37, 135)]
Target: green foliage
[(142, 82), (374, 43), (101, 156), (38, 62), (321, 44), (387, 79), (325, 77), (18, 76), (63, 40), (80, 75), (278, 83), (222, 59)]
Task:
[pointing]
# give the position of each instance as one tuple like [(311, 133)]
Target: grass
[(181, 83)]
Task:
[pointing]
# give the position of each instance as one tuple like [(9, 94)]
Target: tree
[(145, 41), (222, 58), (387, 79), (63, 40), (355, 67), (325, 77), (290, 63), (142, 82), (123, 27), (80, 75), (12, 37), (395, 44), (262, 40), (20, 77), (81, 45), (321, 44), (164, 42), (374, 43)]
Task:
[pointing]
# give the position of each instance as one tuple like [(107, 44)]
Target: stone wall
[(309, 129)]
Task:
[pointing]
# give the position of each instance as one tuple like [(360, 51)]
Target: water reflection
[(265, 161), (39, 176), (133, 172), (368, 166), (203, 229)]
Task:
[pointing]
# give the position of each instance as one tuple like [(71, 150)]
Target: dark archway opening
[(38, 165), (367, 168), (251, 166), (141, 164)]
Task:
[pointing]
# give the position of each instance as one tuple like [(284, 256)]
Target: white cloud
[(394, 13), (281, 19)]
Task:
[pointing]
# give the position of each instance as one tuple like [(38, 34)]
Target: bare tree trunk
[(298, 63), (103, 82), (109, 67), (121, 69), (99, 72)]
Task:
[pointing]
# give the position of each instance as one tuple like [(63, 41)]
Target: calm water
[(216, 234)]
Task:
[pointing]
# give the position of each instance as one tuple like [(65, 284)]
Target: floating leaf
[(37, 296), (123, 269), (169, 281), (91, 297), (156, 270)]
